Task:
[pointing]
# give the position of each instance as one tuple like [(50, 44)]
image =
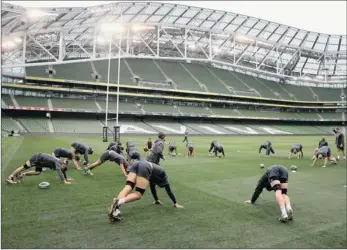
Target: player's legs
[(276, 185), (284, 188), (94, 165), (17, 171)]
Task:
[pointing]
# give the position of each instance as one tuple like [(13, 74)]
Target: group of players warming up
[(141, 173)]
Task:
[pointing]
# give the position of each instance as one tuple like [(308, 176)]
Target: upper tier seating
[(74, 103), (31, 101)]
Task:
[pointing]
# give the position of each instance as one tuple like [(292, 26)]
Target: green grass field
[(211, 190)]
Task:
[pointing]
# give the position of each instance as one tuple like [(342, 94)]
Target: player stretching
[(39, 161), (268, 146), (148, 146), (323, 152), (275, 178), (80, 148), (65, 153), (340, 143), (185, 136), (172, 148), (296, 149), (116, 146), (322, 142), (217, 148), (141, 173), (108, 155), (132, 153), (190, 149), (157, 149)]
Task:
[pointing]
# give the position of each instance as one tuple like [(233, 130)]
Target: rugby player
[(80, 148), (132, 153), (140, 174), (340, 143), (185, 136), (39, 161), (217, 148), (108, 155), (323, 152), (296, 149), (148, 146), (68, 154), (190, 149), (275, 178), (157, 149), (322, 142), (268, 146), (172, 148), (116, 146)]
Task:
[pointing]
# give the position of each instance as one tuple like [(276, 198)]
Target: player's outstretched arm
[(154, 193), (314, 161), (122, 168), (172, 196), (258, 190)]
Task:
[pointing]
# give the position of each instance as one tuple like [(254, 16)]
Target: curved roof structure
[(176, 31)]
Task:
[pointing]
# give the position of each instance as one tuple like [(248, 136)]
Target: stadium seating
[(7, 100), (328, 116), (76, 125), (194, 110), (226, 111), (171, 127), (300, 92), (146, 70), (8, 124), (327, 95), (74, 103), (123, 106), (159, 108), (35, 125), (31, 101), (125, 77)]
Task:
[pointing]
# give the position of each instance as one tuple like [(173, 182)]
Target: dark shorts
[(141, 169), (341, 148), (329, 153), (219, 149), (279, 174), (34, 162), (135, 156), (172, 149), (105, 156), (191, 149)]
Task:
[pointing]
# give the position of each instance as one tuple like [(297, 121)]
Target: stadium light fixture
[(242, 38), (112, 27), (139, 27), (216, 49)]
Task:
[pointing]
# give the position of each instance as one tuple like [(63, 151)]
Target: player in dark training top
[(268, 146), (185, 136), (296, 149), (108, 155), (116, 146), (172, 148), (322, 142), (217, 148), (190, 149), (157, 149), (275, 178), (140, 175), (132, 153), (83, 149), (68, 154), (323, 152), (39, 161), (340, 143), (148, 146)]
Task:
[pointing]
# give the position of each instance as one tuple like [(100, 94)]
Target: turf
[(212, 191)]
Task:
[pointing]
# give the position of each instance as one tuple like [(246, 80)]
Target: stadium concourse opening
[(191, 112)]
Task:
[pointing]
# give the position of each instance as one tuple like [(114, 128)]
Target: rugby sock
[(284, 211), (288, 206), (338, 157), (121, 201)]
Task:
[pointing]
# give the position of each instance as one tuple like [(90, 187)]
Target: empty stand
[(31, 101), (325, 94), (146, 70), (8, 124), (149, 107), (194, 110), (74, 103), (123, 106), (125, 77), (329, 116), (34, 125), (226, 111), (300, 92), (7, 100), (76, 125)]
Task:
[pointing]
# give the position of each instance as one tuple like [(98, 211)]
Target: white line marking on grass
[(17, 145)]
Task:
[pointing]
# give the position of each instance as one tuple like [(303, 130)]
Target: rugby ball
[(262, 166), (44, 185), (293, 167)]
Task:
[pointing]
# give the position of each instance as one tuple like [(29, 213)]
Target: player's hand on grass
[(248, 202), (158, 202), (177, 206)]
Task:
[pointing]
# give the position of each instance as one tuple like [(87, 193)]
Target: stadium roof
[(79, 25)]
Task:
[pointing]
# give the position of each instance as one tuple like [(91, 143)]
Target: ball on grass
[(262, 165), (44, 185)]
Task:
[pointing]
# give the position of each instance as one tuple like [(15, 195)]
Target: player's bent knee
[(140, 190), (25, 166), (277, 187), (275, 182), (131, 184), (284, 191)]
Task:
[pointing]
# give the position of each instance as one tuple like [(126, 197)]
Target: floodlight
[(216, 49), (101, 40), (17, 39), (192, 46), (242, 38)]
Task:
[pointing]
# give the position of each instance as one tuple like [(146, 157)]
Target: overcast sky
[(319, 16)]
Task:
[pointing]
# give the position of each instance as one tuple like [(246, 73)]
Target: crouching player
[(190, 149), (108, 155), (140, 175), (132, 153), (172, 148), (80, 148), (217, 148), (116, 146), (148, 146), (275, 178), (268, 146), (296, 149), (39, 161), (323, 152), (67, 154)]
